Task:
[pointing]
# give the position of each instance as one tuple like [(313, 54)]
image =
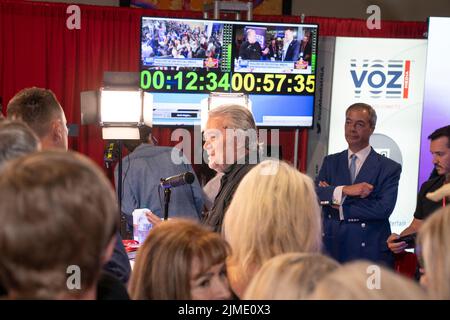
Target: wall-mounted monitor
[(184, 60)]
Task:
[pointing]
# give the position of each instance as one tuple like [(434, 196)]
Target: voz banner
[(380, 78)]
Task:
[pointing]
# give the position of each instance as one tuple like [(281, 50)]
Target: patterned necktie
[(352, 167)]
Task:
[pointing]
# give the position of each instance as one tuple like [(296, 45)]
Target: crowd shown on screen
[(179, 40)]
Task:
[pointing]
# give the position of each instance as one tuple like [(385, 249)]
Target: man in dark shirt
[(305, 48), (231, 144), (440, 149), (250, 49)]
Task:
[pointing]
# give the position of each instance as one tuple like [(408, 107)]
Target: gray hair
[(16, 139), (235, 116), (366, 107), (240, 119)]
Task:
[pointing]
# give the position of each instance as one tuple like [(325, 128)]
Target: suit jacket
[(365, 228), (250, 51), (292, 51), (306, 49)]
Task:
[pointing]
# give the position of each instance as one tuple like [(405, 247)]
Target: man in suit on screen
[(358, 190), (291, 47)]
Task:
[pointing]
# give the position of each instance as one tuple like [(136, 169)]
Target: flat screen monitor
[(183, 60)]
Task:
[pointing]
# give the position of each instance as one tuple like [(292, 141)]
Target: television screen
[(184, 60)]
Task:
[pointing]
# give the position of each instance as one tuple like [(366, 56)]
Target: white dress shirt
[(285, 48), (337, 193)]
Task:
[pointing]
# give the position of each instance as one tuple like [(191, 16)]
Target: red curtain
[(37, 49)]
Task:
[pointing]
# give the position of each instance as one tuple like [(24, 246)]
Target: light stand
[(126, 234), (120, 108)]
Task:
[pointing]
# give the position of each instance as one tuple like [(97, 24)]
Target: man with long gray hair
[(231, 143)]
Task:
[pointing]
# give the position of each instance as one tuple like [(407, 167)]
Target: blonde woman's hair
[(289, 276), (434, 243), (164, 263), (274, 210), (364, 280)]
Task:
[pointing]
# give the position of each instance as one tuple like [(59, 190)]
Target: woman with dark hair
[(181, 260)]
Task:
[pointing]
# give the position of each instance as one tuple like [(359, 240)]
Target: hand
[(153, 218), (323, 184), (362, 190), (265, 51), (396, 247)]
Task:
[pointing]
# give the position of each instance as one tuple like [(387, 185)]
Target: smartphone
[(410, 240)]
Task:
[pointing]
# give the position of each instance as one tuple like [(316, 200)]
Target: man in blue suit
[(291, 47), (358, 190)]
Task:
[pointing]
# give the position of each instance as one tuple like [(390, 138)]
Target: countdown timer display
[(192, 82), (182, 61)]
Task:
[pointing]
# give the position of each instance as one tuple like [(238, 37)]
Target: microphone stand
[(187, 178), (167, 192)]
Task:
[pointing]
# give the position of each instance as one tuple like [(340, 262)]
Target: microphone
[(178, 180)]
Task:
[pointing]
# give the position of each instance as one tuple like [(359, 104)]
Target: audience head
[(288, 35), (289, 276), (306, 36), (181, 260), (274, 210), (440, 149), (363, 280), (16, 139), (145, 134), (59, 217), (433, 244), (251, 36), (230, 136), (360, 122), (40, 109)]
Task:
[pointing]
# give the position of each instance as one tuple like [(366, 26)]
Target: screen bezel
[(262, 23)]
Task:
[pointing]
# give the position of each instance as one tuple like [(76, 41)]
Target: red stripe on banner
[(406, 79)]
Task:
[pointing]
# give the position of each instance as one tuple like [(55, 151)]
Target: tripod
[(111, 154)]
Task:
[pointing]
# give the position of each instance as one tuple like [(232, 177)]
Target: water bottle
[(144, 227), (141, 225)]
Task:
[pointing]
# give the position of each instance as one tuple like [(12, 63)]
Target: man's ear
[(107, 254), (57, 131)]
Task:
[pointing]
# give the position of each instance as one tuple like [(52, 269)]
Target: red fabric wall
[(37, 49)]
